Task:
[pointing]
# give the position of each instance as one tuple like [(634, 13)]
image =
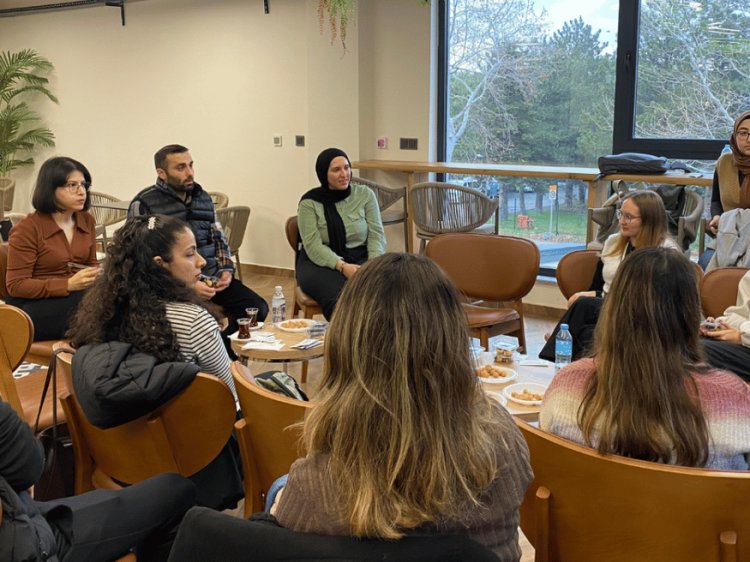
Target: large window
[(683, 75), (530, 81), (562, 82)]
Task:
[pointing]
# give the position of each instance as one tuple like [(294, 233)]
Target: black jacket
[(25, 534), (115, 383)]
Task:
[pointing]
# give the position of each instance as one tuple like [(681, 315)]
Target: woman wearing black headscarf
[(340, 228)]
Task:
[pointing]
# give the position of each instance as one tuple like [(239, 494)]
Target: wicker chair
[(234, 222), (7, 189), (440, 208), (105, 217), (387, 197), (221, 200)]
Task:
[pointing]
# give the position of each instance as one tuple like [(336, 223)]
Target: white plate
[(308, 322), (499, 397), (520, 387), (510, 375)]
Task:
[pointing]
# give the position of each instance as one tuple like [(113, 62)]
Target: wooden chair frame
[(583, 506), (172, 438), (268, 445)]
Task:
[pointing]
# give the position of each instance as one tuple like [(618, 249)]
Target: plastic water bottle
[(563, 347), (726, 149), (278, 306)]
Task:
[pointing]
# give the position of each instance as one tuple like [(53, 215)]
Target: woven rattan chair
[(440, 208), (387, 198), (233, 221), (105, 217), (220, 200), (7, 189)]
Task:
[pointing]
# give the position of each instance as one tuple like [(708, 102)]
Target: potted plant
[(21, 77)]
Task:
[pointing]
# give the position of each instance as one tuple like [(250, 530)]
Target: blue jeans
[(277, 485)]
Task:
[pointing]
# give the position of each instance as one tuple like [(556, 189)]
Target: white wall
[(220, 77)]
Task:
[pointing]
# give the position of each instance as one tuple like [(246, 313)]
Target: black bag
[(58, 477), (632, 163)]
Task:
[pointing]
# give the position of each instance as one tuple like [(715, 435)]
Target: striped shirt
[(199, 339)]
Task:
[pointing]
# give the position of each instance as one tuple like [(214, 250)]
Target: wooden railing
[(598, 186)]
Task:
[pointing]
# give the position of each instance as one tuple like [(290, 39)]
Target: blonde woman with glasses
[(52, 251), (402, 439), (643, 223)]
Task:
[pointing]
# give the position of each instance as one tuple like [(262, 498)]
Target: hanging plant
[(339, 13)]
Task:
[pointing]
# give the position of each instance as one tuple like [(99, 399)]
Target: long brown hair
[(409, 435), (653, 219), (643, 402)]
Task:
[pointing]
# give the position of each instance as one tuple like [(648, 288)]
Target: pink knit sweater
[(724, 398)]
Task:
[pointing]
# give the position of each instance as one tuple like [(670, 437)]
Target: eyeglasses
[(625, 217), (74, 186), (742, 135)]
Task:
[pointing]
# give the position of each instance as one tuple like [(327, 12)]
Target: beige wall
[(222, 78)]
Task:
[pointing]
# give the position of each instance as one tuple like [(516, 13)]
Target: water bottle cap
[(563, 326)]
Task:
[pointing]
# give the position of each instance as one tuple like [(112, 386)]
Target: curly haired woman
[(144, 304)]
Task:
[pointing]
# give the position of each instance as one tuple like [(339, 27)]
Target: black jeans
[(581, 319), (103, 525), (729, 356), (50, 316)]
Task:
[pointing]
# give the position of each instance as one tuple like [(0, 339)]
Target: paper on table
[(307, 344), (271, 346), (533, 362)]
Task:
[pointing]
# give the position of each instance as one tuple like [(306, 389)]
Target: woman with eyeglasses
[(52, 252), (643, 223), (731, 186)]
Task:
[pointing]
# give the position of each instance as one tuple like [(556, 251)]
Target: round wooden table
[(284, 355)]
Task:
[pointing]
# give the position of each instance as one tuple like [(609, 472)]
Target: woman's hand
[(713, 226), (575, 296), (83, 278), (204, 291), (349, 269), (723, 333)]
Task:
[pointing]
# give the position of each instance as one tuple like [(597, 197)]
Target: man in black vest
[(176, 194)]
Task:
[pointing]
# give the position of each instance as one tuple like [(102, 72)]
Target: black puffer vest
[(162, 199)]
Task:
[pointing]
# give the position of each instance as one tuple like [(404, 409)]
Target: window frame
[(626, 86)]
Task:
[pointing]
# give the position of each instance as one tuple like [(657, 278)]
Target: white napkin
[(274, 346)]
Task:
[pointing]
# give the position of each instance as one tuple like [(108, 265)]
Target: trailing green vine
[(339, 14)]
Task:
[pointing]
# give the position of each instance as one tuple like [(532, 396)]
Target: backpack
[(281, 383)]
